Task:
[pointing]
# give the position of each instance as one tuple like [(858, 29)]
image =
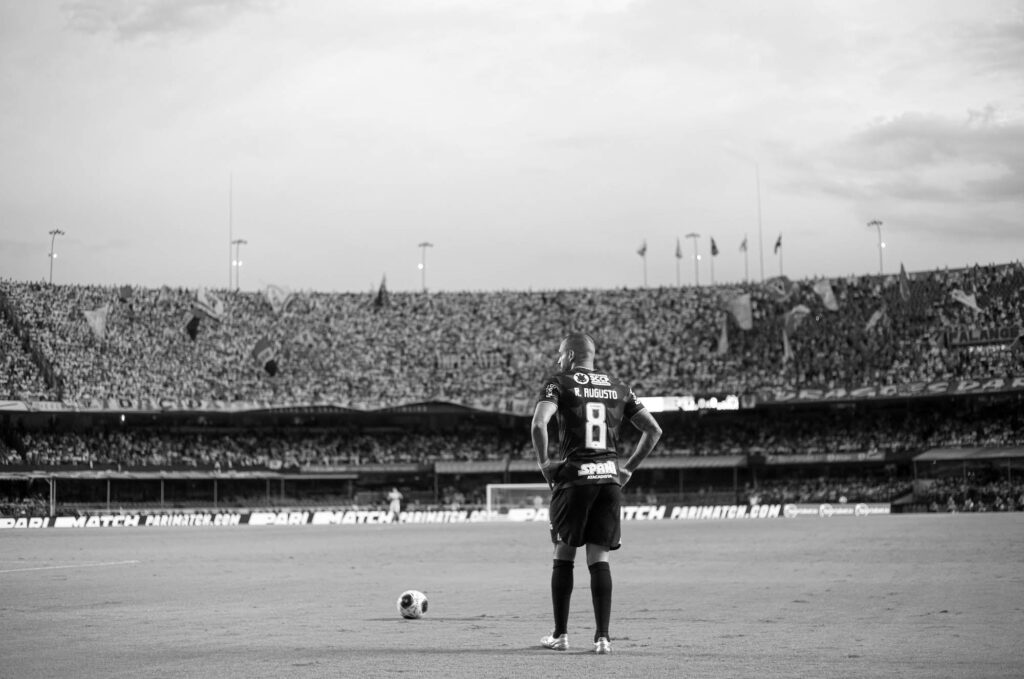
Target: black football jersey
[(591, 407)]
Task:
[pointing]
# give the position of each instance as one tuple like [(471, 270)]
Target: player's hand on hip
[(550, 470), (624, 476)]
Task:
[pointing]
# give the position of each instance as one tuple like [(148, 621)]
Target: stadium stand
[(191, 358)]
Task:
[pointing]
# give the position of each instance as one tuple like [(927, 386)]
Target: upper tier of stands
[(371, 350)]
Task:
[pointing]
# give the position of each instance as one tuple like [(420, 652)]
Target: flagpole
[(760, 232), (881, 245), (679, 257), (231, 237), (712, 260), (643, 255), (746, 260), (696, 266)]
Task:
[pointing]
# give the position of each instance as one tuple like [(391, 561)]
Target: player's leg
[(565, 535), (603, 535), (561, 589)]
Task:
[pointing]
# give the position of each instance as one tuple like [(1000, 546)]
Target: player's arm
[(650, 432), (542, 415)]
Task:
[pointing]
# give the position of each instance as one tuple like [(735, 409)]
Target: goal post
[(501, 497)]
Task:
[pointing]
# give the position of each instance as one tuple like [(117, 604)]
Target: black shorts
[(588, 514)]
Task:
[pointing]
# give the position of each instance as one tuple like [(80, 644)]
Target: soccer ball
[(412, 604)]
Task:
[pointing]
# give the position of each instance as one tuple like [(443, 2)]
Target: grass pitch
[(897, 596)]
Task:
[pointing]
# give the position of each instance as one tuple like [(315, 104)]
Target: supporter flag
[(124, 293), (162, 295), (965, 299), (723, 337), (781, 288), (97, 320), (787, 349), (740, 308), (878, 317), (778, 244), (795, 316), (192, 327), (679, 249), (904, 284), (642, 250), (264, 354), (278, 297), (1017, 346), (207, 304), (743, 245), (383, 298), (823, 288), (714, 248)]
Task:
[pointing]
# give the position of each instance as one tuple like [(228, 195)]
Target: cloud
[(992, 46), (921, 157), (134, 20)]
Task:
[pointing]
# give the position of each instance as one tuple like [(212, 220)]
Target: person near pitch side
[(394, 504)]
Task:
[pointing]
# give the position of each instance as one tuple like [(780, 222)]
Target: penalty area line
[(73, 565)]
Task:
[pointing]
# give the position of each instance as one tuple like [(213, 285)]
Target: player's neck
[(586, 365)]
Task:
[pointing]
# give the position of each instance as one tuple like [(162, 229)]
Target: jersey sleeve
[(633, 404), (550, 391)]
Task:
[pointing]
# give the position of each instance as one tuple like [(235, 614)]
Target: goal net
[(503, 498)]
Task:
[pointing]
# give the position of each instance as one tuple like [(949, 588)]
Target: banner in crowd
[(969, 335), (826, 510), (692, 403), (344, 517), (824, 458), (914, 389), (180, 519)]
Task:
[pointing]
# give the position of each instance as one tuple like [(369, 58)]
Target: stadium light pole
[(696, 258), (237, 261), (877, 223), (423, 263), (53, 255)]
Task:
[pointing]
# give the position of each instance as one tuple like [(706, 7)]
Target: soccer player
[(586, 478), (394, 503)]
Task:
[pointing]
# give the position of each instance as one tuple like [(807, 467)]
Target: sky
[(535, 144)]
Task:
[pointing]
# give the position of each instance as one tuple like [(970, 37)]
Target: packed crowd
[(247, 449), (842, 490), (880, 433), (491, 349), (20, 376), (969, 493)]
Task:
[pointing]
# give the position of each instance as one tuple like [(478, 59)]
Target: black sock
[(601, 593), (561, 592)]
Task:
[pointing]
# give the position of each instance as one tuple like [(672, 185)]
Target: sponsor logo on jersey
[(581, 378), (594, 470), (600, 380)]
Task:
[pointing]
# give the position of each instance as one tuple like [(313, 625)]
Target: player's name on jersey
[(590, 392)]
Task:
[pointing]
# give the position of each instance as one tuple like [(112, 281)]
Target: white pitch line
[(76, 565)]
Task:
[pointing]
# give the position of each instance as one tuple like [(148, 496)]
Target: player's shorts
[(587, 514)]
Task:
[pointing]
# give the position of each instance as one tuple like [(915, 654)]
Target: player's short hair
[(581, 344)]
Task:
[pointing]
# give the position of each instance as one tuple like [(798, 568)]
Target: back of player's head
[(581, 344)]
